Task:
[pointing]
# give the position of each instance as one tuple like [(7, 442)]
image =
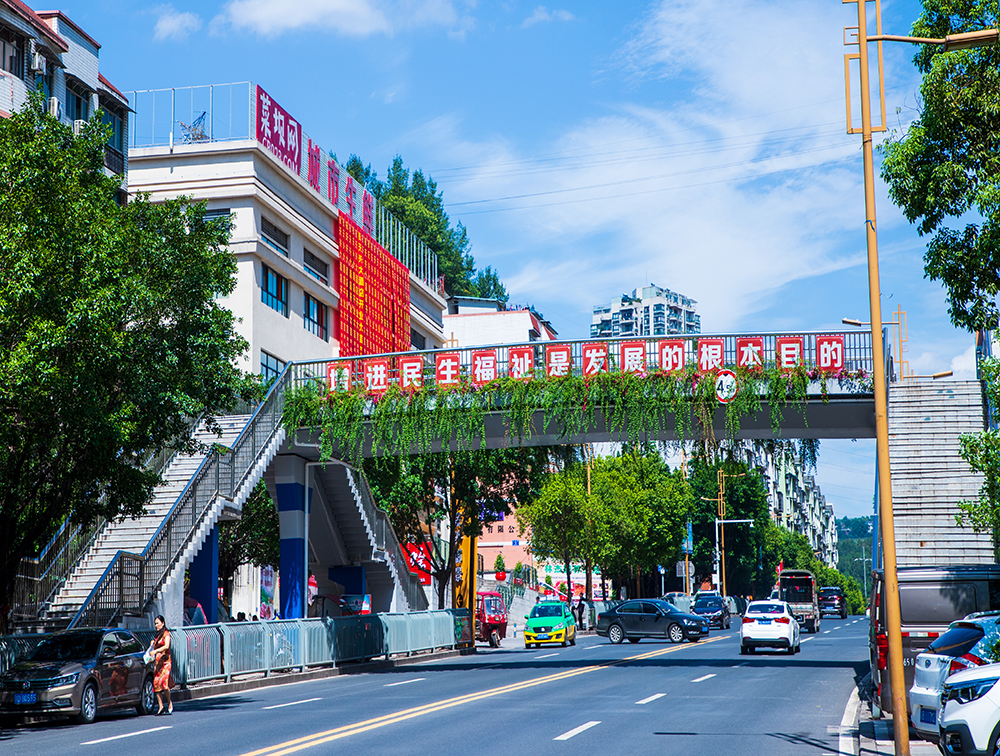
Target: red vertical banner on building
[(789, 351), (374, 316), (522, 362), (711, 354), (633, 357), (484, 367), (595, 359), (558, 361), (830, 353), (672, 355), (448, 369), (411, 373), (750, 352)]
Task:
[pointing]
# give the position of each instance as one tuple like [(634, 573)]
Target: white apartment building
[(47, 52), (649, 311), (290, 205), (472, 321)]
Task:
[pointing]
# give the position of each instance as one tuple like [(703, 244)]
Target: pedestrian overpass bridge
[(330, 525)]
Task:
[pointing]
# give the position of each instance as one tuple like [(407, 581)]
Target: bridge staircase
[(929, 477)]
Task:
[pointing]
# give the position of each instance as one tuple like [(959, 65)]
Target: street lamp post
[(718, 529), (864, 574), (951, 42), (721, 502)]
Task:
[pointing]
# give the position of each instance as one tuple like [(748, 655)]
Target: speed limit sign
[(726, 386)]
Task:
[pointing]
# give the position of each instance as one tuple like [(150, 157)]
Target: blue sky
[(590, 147)]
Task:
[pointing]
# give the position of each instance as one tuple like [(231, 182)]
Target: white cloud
[(964, 365), (350, 18), (543, 14), (174, 24)]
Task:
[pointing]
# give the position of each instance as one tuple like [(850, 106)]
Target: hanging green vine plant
[(635, 408)]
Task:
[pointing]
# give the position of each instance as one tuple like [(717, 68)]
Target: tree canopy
[(110, 334), (255, 538), (944, 171), (416, 201)]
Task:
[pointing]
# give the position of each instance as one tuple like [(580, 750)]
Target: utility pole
[(720, 548), (864, 572)]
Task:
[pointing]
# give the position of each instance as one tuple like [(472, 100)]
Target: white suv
[(970, 712)]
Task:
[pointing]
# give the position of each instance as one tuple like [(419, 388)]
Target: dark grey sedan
[(650, 618), (78, 673)]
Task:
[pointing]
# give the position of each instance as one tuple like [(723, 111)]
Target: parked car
[(832, 601), (769, 624), (550, 622), (930, 599), (970, 642), (714, 609), (650, 618), (969, 716), (79, 673)]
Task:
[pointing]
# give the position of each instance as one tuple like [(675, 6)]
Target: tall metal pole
[(900, 722), (722, 531)]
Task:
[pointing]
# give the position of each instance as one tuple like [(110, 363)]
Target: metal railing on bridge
[(231, 649), (830, 352)]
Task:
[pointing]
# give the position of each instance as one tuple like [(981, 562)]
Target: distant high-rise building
[(649, 311)]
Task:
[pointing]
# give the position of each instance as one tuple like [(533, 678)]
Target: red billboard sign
[(278, 131), (419, 558)]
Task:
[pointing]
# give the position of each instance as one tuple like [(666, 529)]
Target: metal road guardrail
[(132, 580), (227, 650), (535, 358)]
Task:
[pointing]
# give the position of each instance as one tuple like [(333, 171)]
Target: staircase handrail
[(77, 543), (158, 561)]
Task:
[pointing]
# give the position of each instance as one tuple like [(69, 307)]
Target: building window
[(12, 53), (418, 340), (274, 236), (273, 290), (314, 316), (111, 117), (270, 366), (77, 102), (316, 267)]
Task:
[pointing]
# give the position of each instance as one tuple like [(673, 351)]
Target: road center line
[(576, 730), (126, 735), (704, 677), (326, 736), (651, 698), (293, 703), (404, 682)]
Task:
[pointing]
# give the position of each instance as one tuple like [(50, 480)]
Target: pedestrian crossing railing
[(231, 649)]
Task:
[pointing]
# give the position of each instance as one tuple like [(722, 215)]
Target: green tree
[(946, 166), (110, 333), (255, 538), (463, 491)]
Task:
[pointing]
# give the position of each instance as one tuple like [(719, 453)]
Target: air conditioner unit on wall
[(38, 63), (55, 108), (78, 127)]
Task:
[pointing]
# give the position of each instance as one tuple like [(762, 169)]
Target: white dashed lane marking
[(703, 678), (126, 735), (651, 698), (576, 731), (404, 682), (293, 703)]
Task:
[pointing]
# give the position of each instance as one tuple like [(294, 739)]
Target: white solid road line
[(703, 678), (651, 698), (546, 656), (293, 703), (807, 640), (404, 682), (846, 743), (576, 731), (126, 735)]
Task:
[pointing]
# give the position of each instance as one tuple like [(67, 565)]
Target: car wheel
[(147, 698), (573, 640), (675, 633), (616, 634), (750, 649), (743, 650), (88, 704), (790, 650)]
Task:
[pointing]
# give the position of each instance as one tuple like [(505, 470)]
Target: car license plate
[(542, 636), (928, 716), (23, 699), (764, 622)]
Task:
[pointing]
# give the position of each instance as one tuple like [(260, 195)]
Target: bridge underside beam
[(839, 418)]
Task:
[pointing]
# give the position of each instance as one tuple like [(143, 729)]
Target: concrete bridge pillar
[(293, 499)]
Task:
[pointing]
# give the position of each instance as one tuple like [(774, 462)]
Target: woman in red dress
[(162, 678)]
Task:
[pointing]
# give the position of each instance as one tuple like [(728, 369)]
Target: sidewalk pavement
[(875, 737)]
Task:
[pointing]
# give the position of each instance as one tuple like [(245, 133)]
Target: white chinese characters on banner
[(595, 359), (338, 376), (376, 375), (558, 361), (790, 351), (411, 373), (521, 362), (830, 353), (633, 357), (711, 353), (750, 352), (448, 369), (278, 131), (484, 367), (672, 355)]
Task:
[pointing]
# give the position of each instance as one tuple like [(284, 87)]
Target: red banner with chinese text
[(374, 315)]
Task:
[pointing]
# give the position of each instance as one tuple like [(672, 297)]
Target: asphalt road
[(650, 697)]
